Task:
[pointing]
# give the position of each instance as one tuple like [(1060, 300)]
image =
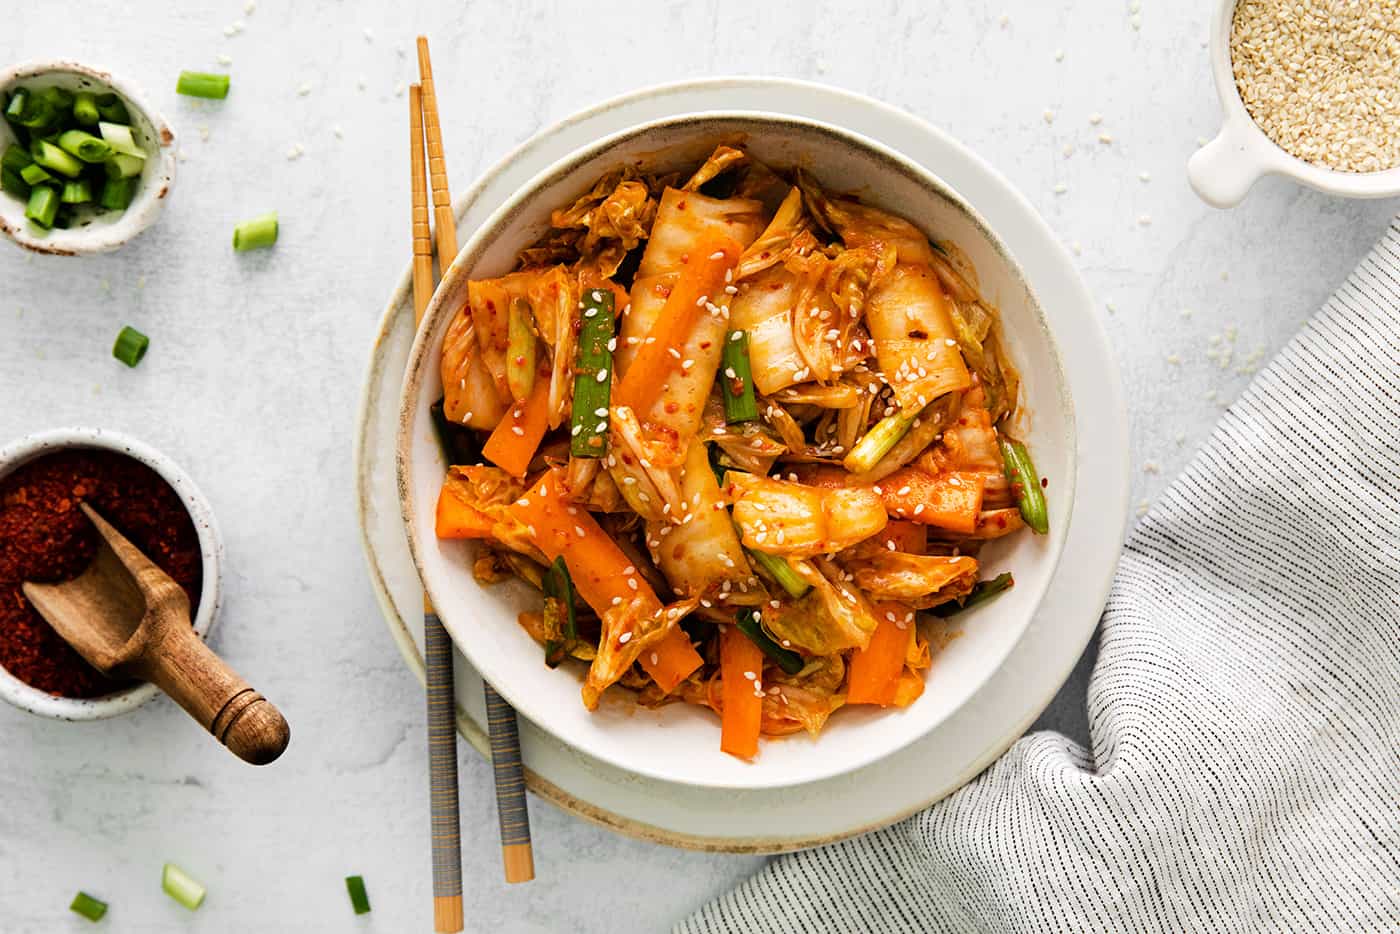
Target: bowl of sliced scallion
[(85, 164)]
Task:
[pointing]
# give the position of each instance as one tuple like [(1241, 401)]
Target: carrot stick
[(908, 537), (599, 571), (456, 518), (702, 280), (512, 449), (875, 670), (741, 674), (949, 500)]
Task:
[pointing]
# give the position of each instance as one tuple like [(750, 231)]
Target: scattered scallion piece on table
[(359, 898), (130, 346), (76, 192), (786, 659), (981, 592), (182, 887), (256, 233), (84, 145), (202, 84), (521, 346), (91, 908), (740, 404), (1025, 483), (119, 137), (877, 442), (42, 206), (777, 568), (593, 376), (116, 193), (85, 108), (55, 159)]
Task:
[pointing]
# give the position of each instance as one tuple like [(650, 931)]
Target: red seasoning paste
[(45, 537)]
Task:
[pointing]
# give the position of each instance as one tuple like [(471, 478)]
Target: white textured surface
[(255, 365)]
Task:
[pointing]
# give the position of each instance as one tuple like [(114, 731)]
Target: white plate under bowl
[(680, 742), (776, 820)]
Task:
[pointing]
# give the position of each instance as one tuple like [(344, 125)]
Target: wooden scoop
[(130, 620)]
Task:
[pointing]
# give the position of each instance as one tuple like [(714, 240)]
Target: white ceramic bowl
[(211, 547), (1223, 170), (680, 743), (99, 233)]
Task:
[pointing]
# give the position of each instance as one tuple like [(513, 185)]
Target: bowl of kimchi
[(735, 450)]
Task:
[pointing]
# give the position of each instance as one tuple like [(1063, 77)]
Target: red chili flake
[(45, 537), (1044, 482)]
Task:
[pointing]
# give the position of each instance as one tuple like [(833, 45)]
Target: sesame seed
[(578, 530), (625, 638), (616, 601), (516, 429), (602, 375), (656, 659)]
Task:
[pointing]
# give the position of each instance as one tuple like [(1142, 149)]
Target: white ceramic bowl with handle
[(680, 742), (1223, 170), (32, 447), (95, 233)]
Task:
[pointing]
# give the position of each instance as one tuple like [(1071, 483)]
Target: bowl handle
[(1223, 170)]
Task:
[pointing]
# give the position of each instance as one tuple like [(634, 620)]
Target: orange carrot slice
[(741, 674), (875, 669), (455, 518), (949, 500), (517, 436)]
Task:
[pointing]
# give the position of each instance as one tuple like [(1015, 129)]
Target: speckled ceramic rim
[(1224, 169), (447, 299), (211, 548), (156, 180)]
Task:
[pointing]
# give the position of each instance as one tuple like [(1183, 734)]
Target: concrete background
[(254, 373)]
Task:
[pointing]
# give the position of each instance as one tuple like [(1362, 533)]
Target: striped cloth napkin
[(1244, 714)]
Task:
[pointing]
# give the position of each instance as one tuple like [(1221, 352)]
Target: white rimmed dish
[(97, 233), (1223, 170), (31, 447), (680, 743)]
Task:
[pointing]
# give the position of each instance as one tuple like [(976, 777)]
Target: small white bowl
[(1223, 170), (211, 548), (99, 233), (680, 742)]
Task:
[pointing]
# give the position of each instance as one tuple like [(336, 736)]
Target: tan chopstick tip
[(519, 859), (425, 63), (447, 914)]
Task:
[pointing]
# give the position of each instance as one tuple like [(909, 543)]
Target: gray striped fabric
[(1244, 714)]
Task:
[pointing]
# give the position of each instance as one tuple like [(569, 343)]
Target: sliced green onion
[(1025, 483), (736, 379), (14, 110), (59, 99), (91, 908), (76, 192), (11, 181), (256, 233), (33, 174), (780, 571), (119, 137), (37, 112), (559, 591), (459, 445), (111, 109), (51, 157), (786, 659), (182, 887), (84, 145), (42, 206), (85, 108), (593, 376), (130, 346), (877, 442), (122, 165), (520, 349), (359, 898), (202, 84), (116, 193), (15, 157), (981, 592)]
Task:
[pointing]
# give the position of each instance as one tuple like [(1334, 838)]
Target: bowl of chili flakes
[(44, 536)]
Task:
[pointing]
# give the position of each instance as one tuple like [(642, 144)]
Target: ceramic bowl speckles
[(1223, 170), (680, 743), (211, 547), (98, 233)]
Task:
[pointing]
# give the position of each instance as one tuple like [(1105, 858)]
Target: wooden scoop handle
[(214, 694)]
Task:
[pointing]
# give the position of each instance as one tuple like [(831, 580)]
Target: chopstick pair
[(516, 852)]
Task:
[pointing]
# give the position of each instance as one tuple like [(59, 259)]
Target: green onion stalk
[(593, 376), (736, 382), (877, 442), (748, 623), (1025, 483)]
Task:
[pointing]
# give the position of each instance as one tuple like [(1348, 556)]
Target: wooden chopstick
[(517, 853), (442, 703)]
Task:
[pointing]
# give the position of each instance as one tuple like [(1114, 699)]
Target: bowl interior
[(118, 702), (93, 229), (680, 743)]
